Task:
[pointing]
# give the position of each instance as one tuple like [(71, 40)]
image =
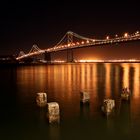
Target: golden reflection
[(135, 100), (95, 83), (55, 78), (69, 80), (24, 74), (117, 79), (62, 83), (88, 77), (40, 78), (108, 80), (82, 77), (126, 70), (136, 84), (75, 78), (32, 76), (49, 76), (78, 77), (94, 90)]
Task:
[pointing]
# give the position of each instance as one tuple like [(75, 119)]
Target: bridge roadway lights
[(48, 56)]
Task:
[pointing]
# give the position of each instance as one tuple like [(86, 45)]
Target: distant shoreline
[(64, 63)]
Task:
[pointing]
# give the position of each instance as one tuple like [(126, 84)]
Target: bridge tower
[(70, 42), (47, 56)]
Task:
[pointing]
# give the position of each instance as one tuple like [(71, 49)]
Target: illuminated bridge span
[(72, 41)]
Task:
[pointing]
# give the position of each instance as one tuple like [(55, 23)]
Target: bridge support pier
[(70, 55), (48, 56)]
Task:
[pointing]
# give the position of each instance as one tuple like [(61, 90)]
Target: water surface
[(21, 118)]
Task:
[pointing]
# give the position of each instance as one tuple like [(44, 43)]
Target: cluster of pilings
[(108, 105), (53, 112)]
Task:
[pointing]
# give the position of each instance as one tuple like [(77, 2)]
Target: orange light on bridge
[(87, 41), (77, 43), (82, 42), (137, 33), (68, 45), (125, 35), (107, 37)]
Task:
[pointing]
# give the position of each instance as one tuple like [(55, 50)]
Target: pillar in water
[(41, 99), (53, 113), (84, 97), (108, 105)]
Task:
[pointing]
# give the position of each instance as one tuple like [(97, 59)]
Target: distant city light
[(58, 61), (114, 60)]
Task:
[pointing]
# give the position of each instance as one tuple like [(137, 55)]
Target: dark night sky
[(23, 23)]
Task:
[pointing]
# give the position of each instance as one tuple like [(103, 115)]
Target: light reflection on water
[(108, 80), (63, 84), (126, 70)]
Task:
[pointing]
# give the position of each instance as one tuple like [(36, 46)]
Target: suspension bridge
[(72, 41)]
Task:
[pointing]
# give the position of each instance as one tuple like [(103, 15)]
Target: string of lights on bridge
[(84, 42)]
